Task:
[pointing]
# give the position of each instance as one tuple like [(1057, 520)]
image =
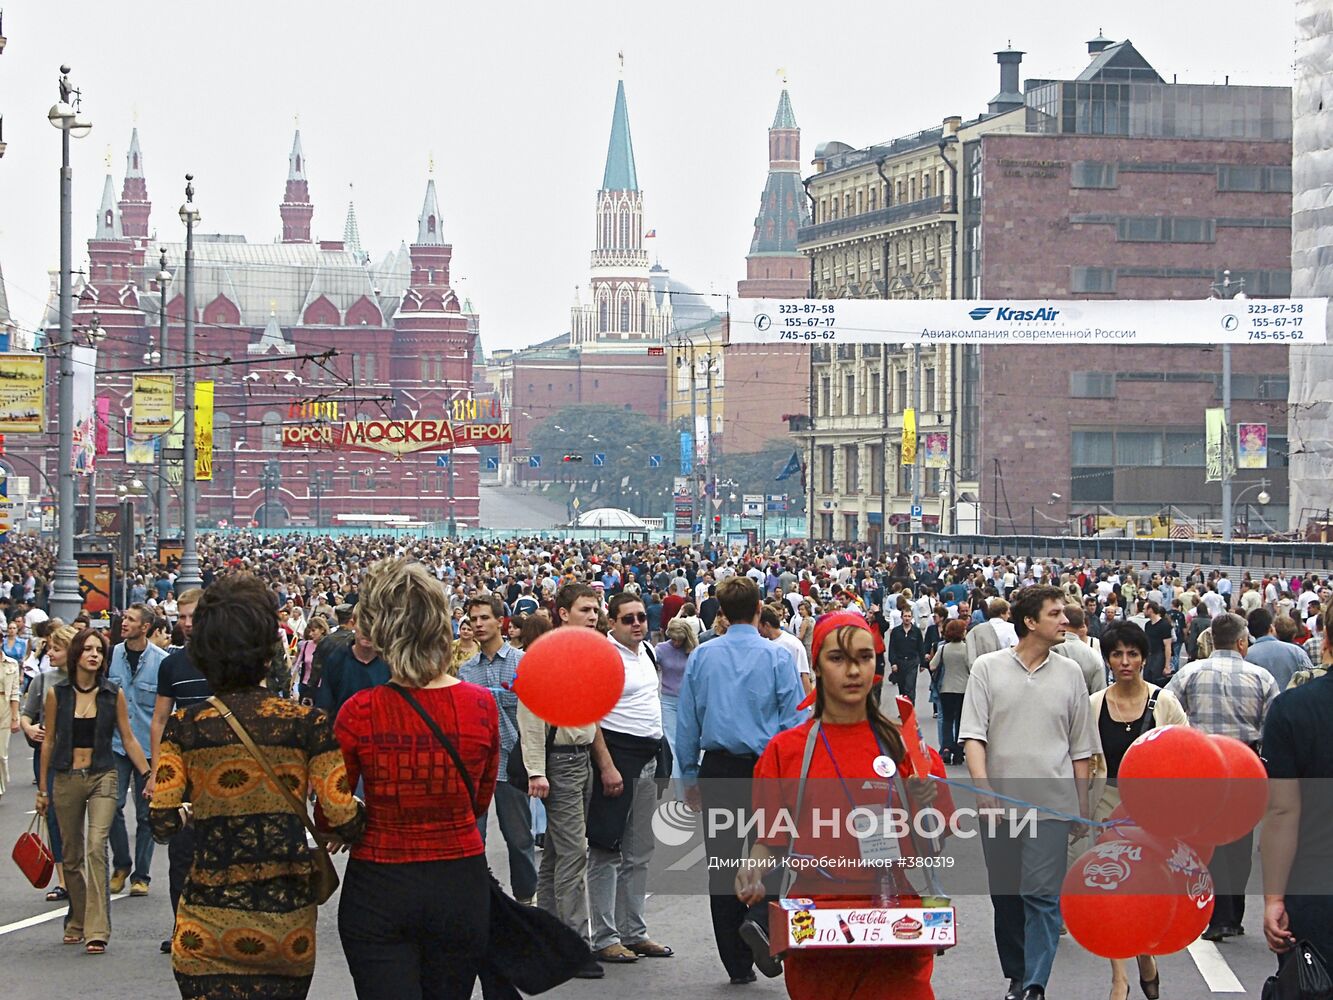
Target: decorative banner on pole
[(937, 450), (203, 431), (153, 404), (22, 393), (85, 417), (909, 437), (1252, 446), (1049, 321), (1218, 460), (102, 433), (139, 452), (686, 453)]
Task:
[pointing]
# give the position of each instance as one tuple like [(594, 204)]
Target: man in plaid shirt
[(1225, 695)]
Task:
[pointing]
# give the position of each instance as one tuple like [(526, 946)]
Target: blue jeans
[(670, 707), (1025, 875), (127, 778), (511, 809)]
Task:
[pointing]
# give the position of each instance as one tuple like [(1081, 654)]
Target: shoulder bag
[(526, 946), (324, 878), (32, 853), (1301, 976)]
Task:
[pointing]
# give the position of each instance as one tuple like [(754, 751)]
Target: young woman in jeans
[(32, 721), (415, 902), (82, 712)]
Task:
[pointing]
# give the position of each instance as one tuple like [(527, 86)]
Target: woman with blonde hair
[(415, 904), (464, 647), (671, 657)]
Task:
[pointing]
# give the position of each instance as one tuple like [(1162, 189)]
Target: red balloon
[(570, 676), (1244, 795), (1194, 902), (1168, 781), (1117, 898), (1161, 844)]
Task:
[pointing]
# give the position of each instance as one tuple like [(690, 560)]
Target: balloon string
[(1107, 825)]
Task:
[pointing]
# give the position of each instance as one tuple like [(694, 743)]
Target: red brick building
[(1123, 186), (279, 324)]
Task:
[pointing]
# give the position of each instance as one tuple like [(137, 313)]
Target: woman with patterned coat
[(245, 927)]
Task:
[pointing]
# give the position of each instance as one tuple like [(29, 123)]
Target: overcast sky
[(514, 102)]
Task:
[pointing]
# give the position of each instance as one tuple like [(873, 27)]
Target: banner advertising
[(85, 417), (701, 439), (1219, 462), (138, 452), (396, 437), (153, 404), (1252, 446), (909, 437), (22, 393), (102, 434), (170, 550), (97, 579), (203, 431), (997, 321), (686, 453), (937, 450)]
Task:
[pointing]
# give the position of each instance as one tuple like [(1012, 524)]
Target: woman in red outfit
[(415, 906), (846, 771)]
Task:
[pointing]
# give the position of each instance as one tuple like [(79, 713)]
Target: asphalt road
[(514, 507), (134, 968)]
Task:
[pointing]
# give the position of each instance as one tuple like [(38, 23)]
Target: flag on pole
[(792, 467), (650, 235)]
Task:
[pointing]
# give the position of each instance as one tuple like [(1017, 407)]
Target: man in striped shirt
[(1225, 695)]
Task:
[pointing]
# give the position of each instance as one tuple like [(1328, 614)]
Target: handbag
[(1303, 975), (526, 946), (324, 877), (32, 853)]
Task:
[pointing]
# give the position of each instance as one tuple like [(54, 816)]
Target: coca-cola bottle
[(846, 931)]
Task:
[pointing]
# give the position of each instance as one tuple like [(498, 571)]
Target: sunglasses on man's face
[(640, 618)]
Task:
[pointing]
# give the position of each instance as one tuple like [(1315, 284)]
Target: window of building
[(1256, 387), (1164, 229), (271, 439), (851, 466), (874, 193), (904, 477), (603, 314), (1248, 178), (825, 396), (370, 368), (826, 468), (1185, 448), (1092, 385), (860, 202), (928, 380), (1091, 485), (221, 432), (1138, 448), (1092, 448), (1091, 174), (624, 313), (848, 395), (876, 458), (849, 522), (872, 403), (902, 390), (1092, 279)]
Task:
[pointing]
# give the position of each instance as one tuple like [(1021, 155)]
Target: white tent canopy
[(611, 517)]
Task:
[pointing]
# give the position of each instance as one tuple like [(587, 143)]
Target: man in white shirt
[(770, 627), (1213, 601), (620, 835)]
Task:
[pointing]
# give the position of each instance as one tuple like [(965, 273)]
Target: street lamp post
[(66, 601), (189, 572)]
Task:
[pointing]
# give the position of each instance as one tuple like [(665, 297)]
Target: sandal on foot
[(57, 895), (648, 948), (73, 939), (616, 954), (95, 948)]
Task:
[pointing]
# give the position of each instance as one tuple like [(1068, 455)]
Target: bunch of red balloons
[(570, 677), (1144, 887)]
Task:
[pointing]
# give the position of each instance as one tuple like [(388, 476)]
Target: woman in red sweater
[(415, 906), (847, 771)]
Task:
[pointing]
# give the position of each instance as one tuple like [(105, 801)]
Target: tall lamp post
[(158, 356), (189, 572), (65, 114), (1228, 507)]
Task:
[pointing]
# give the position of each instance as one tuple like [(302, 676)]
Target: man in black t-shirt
[(341, 636), (179, 685), (1161, 635)]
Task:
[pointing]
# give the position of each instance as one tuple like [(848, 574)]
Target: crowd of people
[(376, 675)]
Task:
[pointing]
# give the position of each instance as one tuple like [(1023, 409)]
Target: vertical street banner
[(22, 393), (686, 453), (97, 580), (1219, 462), (85, 416), (937, 450), (701, 432), (153, 404), (909, 437), (1252, 446), (139, 451), (102, 432), (203, 431)]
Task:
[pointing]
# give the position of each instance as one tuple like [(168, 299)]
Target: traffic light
[(571, 458), (717, 522)]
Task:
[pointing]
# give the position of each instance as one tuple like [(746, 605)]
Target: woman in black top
[(82, 712)]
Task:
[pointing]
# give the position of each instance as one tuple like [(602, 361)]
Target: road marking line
[(1213, 967), (42, 918)]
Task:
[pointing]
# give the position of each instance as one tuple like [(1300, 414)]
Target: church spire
[(620, 174), (430, 230), (351, 231), (774, 268), (296, 210), (134, 204), (108, 221)]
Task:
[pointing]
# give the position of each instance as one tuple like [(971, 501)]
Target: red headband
[(826, 625)]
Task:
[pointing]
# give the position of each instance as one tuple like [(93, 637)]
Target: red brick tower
[(296, 209), (134, 204), (774, 268)]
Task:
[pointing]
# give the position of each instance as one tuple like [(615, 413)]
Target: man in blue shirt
[(494, 667), (739, 691), (134, 666), (1281, 659)]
